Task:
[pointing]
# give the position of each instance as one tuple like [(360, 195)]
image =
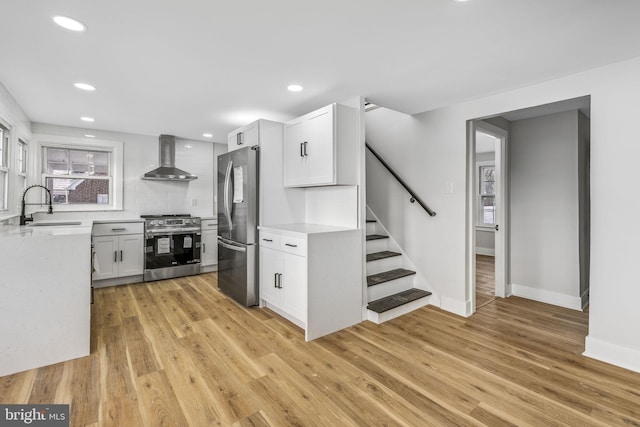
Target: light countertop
[(57, 228), (303, 228)]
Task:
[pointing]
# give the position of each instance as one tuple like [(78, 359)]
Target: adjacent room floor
[(485, 280), (179, 353)]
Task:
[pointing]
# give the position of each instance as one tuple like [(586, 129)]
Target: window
[(487, 194), (4, 168), (21, 162), (82, 175), (77, 176)]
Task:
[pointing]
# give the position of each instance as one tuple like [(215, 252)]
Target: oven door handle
[(151, 234), (230, 246)]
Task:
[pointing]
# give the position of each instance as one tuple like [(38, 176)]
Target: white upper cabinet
[(246, 136), (321, 148)]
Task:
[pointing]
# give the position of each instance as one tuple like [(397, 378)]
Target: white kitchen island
[(45, 295)]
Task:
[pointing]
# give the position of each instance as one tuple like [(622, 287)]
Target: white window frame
[(479, 210), (115, 148), (4, 166), (22, 157)]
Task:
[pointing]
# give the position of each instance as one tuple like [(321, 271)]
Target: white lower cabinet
[(117, 255), (312, 275), (209, 247), (284, 280)]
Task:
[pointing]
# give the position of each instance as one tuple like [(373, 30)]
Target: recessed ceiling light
[(85, 86), (69, 23), (207, 135), (89, 136), (294, 88), (87, 119)]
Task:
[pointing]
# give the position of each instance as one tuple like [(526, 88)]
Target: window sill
[(486, 228), (64, 208), (5, 216)]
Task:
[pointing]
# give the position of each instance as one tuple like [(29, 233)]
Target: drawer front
[(209, 225), (117, 228), (293, 245), (270, 240)]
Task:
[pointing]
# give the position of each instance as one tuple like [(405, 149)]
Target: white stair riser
[(377, 245), (371, 228), (389, 288), (384, 264), (398, 311)]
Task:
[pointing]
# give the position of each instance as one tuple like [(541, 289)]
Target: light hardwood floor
[(485, 280), (178, 353)]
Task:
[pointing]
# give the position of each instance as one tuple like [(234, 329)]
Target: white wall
[(432, 153), (153, 197), (543, 165)]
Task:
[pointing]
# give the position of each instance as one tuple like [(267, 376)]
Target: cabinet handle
[(279, 280), (304, 144), (115, 256), (204, 248), (119, 229), (275, 280), (120, 256), (290, 245), (268, 240), (302, 149), (239, 139)]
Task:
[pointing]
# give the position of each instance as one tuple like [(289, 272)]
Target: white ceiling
[(194, 66)]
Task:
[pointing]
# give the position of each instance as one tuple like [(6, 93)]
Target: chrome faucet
[(23, 216)]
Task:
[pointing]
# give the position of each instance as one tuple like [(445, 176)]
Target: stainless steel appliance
[(172, 246), (237, 225), (168, 170)]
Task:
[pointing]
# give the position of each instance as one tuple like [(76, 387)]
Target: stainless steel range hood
[(168, 170)]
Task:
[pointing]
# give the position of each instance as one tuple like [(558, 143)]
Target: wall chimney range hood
[(168, 170)]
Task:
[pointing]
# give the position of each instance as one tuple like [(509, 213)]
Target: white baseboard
[(485, 251), (549, 297), (614, 354), (461, 308)]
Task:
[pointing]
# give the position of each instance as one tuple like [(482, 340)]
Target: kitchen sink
[(54, 224)]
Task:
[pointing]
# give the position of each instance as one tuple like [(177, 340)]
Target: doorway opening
[(542, 206), (488, 219)]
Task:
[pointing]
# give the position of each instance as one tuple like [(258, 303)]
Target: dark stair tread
[(386, 276), (376, 237), (381, 255), (371, 220), (387, 303)]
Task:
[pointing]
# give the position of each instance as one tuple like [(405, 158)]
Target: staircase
[(391, 287)]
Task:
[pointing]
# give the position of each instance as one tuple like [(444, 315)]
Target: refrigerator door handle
[(222, 243), (227, 185)]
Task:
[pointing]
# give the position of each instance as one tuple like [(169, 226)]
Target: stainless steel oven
[(172, 246)]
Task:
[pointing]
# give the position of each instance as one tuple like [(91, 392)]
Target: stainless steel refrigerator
[(237, 225)]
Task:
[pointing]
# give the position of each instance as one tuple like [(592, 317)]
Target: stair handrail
[(414, 196)]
